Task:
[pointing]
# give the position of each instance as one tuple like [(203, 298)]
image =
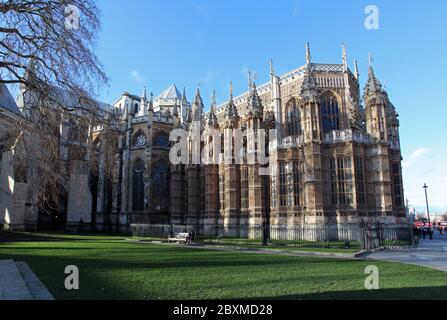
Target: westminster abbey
[(335, 159)]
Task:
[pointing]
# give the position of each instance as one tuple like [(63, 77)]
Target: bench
[(180, 237)]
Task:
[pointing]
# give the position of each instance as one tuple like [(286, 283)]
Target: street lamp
[(428, 212)]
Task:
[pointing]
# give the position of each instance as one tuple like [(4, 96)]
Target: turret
[(344, 58), (197, 107), (143, 103), (184, 109), (356, 70), (230, 113), (376, 103), (254, 102), (150, 109), (309, 100), (276, 99), (211, 121)]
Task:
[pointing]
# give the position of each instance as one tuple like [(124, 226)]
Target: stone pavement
[(429, 253), (18, 282)]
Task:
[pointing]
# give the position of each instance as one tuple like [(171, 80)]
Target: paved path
[(429, 253), (12, 286), (18, 282), (277, 251)]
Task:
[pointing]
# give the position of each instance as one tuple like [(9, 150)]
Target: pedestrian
[(424, 233), (188, 239), (171, 230), (416, 233)]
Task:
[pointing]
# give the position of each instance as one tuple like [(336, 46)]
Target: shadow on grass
[(414, 293), (122, 270), (10, 236)]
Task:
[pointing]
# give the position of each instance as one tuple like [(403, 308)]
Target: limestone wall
[(79, 196)]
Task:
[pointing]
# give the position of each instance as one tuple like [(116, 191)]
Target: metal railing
[(317, 236)]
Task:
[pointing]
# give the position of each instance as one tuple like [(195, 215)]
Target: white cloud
[(426, 166), (210, 76), (415, 155), (136, 76)]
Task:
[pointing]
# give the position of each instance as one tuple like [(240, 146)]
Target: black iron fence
[(386, 235), (316, 236)]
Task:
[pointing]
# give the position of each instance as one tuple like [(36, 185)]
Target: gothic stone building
[(336, 158)]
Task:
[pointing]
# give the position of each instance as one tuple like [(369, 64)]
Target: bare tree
[(47, 50), (41, 39)]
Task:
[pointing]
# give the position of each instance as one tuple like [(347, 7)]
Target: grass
[(320, 246), (111, 268), (282, 248)]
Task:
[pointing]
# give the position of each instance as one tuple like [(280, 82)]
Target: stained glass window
[(329, 112), (160, 180), (140, 139), (161, 140), (138, 185), (292, 119)]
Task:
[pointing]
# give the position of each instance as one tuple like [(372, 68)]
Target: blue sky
[(186, 42)]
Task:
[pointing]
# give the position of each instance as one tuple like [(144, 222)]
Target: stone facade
[(334, 160)]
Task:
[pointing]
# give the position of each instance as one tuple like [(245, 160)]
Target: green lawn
[(340, 245), (305, 246), (112, 268)]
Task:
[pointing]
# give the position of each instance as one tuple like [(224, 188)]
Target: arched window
[(160, 180), (139, 139), (329, 112), (161, 140), (136, 108), (292, 119), (138, 185)]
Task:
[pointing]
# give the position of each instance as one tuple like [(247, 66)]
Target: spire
[(344, 57), (372, 85), (212, 118), (251, 80), (250, 83), (184, 100), (197, 106), (144, 95), (308, 55), (143, 102), (230, 110), (309, 86), (254, 102), (370, 59), (151, 103), (356, 70), (213, 99), (272, 71)]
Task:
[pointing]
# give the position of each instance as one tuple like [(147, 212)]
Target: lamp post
[(428, 211)]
